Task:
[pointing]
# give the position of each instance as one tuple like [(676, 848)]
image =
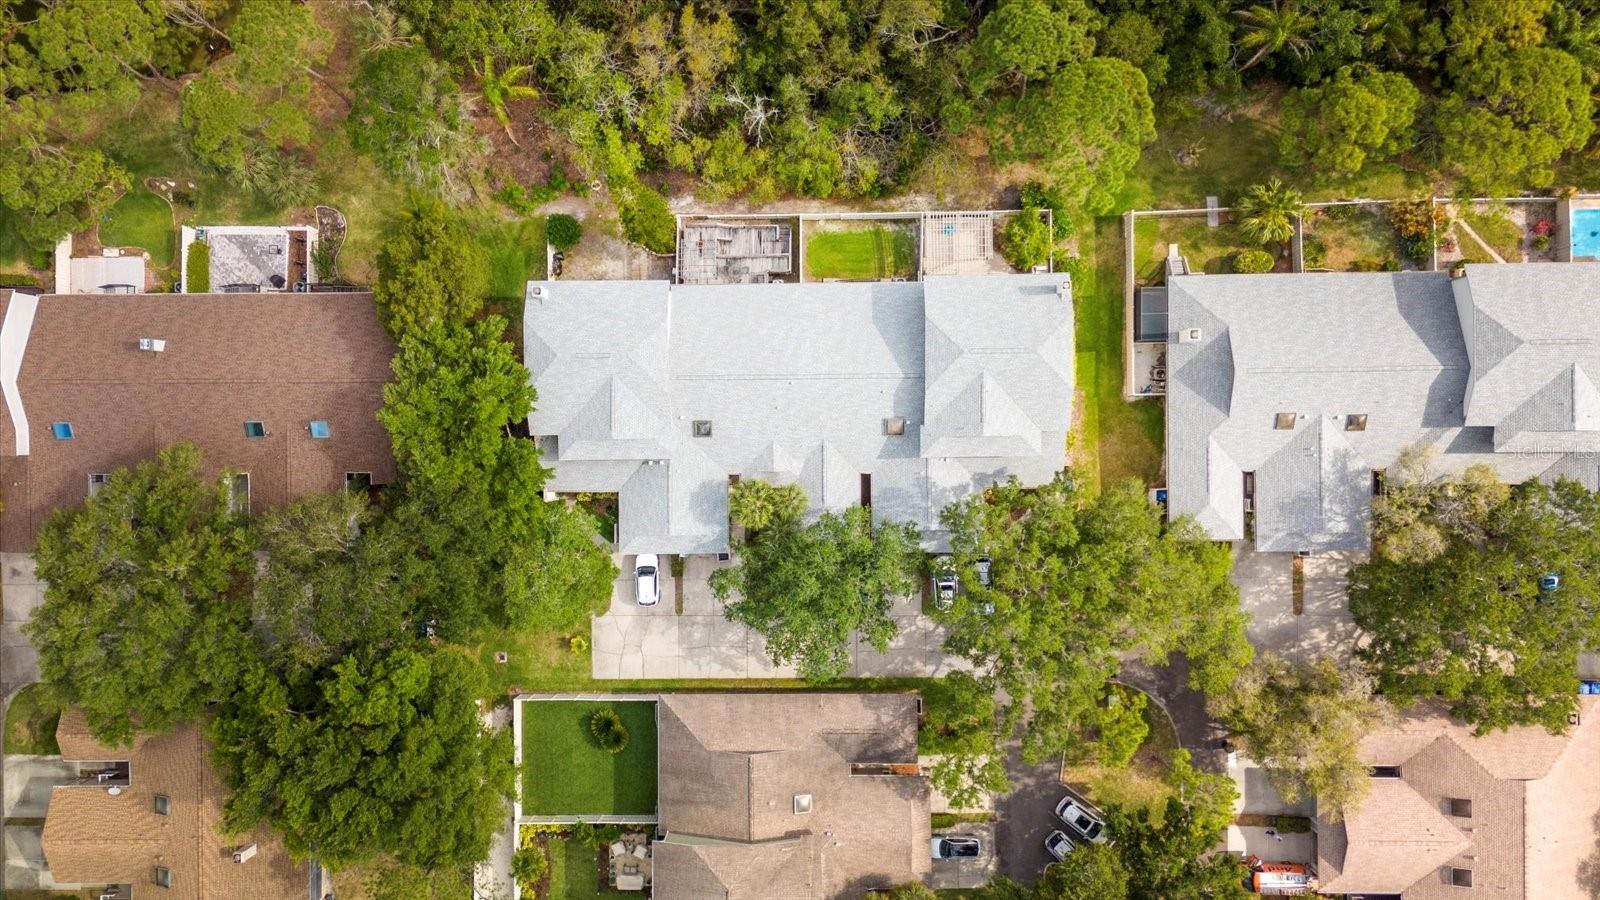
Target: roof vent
[(1284, 421), (537, 292), (244, 853), (894, 425), (802, 804), (702, 428), (153, 345), (1190, 336), (1064, 290), (114, 790), (1355, 422)]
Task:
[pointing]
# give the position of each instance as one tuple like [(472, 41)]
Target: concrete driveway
[(23, 593), (965, 873), (1024, 817), (631, 641), (28, 780), (1266, 591)]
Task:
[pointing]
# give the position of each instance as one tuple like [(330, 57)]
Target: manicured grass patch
[(141, 219), (31, 722), (1209, 250), (566, 773), (1352, 239), (861, 255), (516, 256), (574, 872), (1114, 438), (1496, 229)]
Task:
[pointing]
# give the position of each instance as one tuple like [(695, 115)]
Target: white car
[(647, 579), (1059, 845), (956, 847), (1086, 824), (945, 587)]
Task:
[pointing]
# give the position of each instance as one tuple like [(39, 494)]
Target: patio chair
[(642, 852)]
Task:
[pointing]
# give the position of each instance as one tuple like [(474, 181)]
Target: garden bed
[(1210, 250), (564, 770), (860, 252)]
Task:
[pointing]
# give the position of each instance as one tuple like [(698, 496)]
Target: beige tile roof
[(281, 359), (731, 766), (92, 837), (1563, 815), (1405, 837)]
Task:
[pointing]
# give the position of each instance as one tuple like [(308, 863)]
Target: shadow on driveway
[(1026, 815)]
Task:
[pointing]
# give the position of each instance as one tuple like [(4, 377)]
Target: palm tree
[(499, 88), (1267, 212), (1269, 29)]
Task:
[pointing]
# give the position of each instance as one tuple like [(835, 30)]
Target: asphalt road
[(1024, 817)]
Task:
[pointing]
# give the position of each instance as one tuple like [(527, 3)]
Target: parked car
[(647, 579), (984, 565), (1084, 823), (956, 847), (1058, 844), (945, 586)]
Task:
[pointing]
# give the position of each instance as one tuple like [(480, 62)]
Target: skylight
[(255, 429), (1284, 421), (62, 430), (320, 430)]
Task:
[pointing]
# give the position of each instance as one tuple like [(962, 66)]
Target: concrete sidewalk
[(631, 641)]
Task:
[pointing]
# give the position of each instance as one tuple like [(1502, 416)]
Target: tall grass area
[(516, 255), (1114, 438)]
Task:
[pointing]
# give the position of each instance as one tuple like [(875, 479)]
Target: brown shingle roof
[(731, 766), (281, 359), (93, 837)]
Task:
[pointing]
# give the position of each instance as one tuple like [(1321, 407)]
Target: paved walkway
[(22, 592), (631, 641), (1266, 591), (1027, 815)]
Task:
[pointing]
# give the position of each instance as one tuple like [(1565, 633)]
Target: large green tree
[(471, 491), (961, 727), (431, 271), (1337, 127), (1079, 580), (808, 588), (1303, 722), (1171, 856), (147, 599), (383, 753), (1512, 115), (335, 578), (410, 116), (1473, 624)]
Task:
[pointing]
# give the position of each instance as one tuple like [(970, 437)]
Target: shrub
[(18, 279), (1541, 242), (757, 504), (1391, 265), (595, 837), (1026, 240), (1417, 222), (1253, 262), (1365, 265), (1315, 253), (562, 231), (646, 218), (608, 730), (1292, 824), (528, 867), (198, 279), (577, 644)]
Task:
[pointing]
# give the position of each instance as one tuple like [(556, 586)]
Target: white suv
[(647, 579)]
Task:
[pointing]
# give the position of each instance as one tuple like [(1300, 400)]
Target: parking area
[(631, 641), (29, 780), (951, 874), (1322, 627), (23, 593)]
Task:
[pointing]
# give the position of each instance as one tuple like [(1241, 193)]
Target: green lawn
[(141, 219), (516, 256), (566, 773), (1209, 250), (31, 722), (862, 255), (1352, 238), (15, 255), (1114, 438), (1144, 781), (574, 874)]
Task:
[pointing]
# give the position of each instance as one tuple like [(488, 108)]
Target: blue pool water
[(1585, 233)]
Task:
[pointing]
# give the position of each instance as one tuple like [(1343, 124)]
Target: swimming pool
[(1586, 233)]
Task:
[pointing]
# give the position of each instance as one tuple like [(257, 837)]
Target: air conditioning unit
[(244, 853), (1190, 336), (1249, 504), (152, 345)]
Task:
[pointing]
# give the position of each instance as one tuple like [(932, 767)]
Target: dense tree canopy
[(1341, 124), (1303, 722), (147, 603), (410, 116), (808, 588), (1468, 620), (381, 753), (430, 271), (1080, 579), (471, 496)]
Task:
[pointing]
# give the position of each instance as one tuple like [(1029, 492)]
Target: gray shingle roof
[(1401, 349), (796, 382)]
